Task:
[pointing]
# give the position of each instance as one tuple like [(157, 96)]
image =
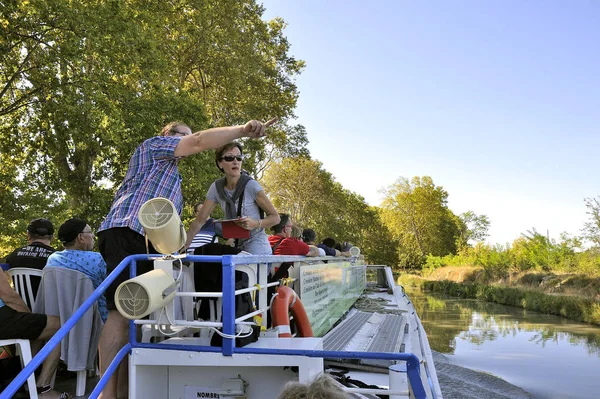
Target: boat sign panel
[(328, 290)]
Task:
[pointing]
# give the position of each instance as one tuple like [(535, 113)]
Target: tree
[(83, 83), (591, 229), (417, 215), (301, 187), (473, 227)]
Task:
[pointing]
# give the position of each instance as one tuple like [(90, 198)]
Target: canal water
[(548, 356)]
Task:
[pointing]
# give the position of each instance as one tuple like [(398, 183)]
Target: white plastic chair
[(21, 277), (24, 349)]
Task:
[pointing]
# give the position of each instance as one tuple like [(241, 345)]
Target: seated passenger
[(78, 238), (17, 322), (309, 236), (283, 243), (35, 254), (328, 245)]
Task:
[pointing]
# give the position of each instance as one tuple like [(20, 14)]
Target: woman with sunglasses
[(227, 192)]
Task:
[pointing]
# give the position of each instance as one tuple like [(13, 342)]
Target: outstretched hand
[(256, 129)]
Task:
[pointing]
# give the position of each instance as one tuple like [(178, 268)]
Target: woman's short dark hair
[(329, 242), (308, 235), (221, 150)]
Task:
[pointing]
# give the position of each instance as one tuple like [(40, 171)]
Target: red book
[(232, 230)]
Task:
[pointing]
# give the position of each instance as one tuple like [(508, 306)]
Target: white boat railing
[(257, 265)]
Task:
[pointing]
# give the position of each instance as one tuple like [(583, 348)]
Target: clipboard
[(232, 230)]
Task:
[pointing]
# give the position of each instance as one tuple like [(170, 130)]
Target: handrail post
[(228, 305), (413, 370), (132, 328)]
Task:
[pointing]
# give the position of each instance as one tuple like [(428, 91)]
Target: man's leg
[(113, 337), (115, 245), (51, 362)]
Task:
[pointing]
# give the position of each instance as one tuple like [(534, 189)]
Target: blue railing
[(228, 348)]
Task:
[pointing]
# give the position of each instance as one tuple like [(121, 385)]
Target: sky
[(497, 101)]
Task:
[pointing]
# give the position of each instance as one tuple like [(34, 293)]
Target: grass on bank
[(569, 295)]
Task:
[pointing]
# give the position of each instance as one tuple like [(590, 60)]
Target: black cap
[(71, 229), (40, 227)]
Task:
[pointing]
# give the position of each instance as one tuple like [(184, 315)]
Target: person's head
[(296, 232), (176, 128), (284, 227), (346, 246), (229, 158), (309, 236), (323, 387), (75, 233), (40, 229), (329, 242)]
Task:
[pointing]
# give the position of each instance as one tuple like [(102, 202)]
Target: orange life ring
[(285, 301)]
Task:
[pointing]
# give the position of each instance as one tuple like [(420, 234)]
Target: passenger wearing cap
[(78, 239), (35, 254)]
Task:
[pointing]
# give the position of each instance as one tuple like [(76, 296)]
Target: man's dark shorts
[(22, 325), (115, 245)]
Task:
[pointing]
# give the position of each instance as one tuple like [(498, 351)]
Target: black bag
[(208, 277), (243, 306)]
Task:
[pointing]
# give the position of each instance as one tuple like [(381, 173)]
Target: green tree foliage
[(530, 252), (591, 229), (301, 187), (473, 227), (83, 83), (417, 215)]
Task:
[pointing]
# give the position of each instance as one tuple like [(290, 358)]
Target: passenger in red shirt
[(282, 242)]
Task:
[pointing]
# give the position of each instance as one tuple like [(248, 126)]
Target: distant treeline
[(531, 252)]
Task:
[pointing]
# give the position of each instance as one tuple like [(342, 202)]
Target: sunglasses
[(230, 158)]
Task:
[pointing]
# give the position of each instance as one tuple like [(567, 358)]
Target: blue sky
[(497, 101)]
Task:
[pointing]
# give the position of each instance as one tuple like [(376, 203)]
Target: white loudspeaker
[(162, 225), (354, 251), (144, 294)]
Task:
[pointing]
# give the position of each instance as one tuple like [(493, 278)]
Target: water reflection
[(446, 318), (549, 356)]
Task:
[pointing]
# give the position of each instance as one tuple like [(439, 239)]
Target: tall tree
[(301, 187), (591, 228), (417, 215), (472, 227), (83, 83)]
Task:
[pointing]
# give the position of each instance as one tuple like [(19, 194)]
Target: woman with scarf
[(241, 197)]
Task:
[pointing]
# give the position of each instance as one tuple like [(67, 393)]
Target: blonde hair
[(171, 128), (323, 387), (296, 231)]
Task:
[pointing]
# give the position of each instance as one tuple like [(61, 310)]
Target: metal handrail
[(228, 348)]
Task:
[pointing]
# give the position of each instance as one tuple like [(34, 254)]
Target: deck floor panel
[(340, 336), (389, 335)]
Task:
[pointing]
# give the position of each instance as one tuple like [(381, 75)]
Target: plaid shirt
[(152, 173)]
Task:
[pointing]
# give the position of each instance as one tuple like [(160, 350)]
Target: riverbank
[(572, 296)]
